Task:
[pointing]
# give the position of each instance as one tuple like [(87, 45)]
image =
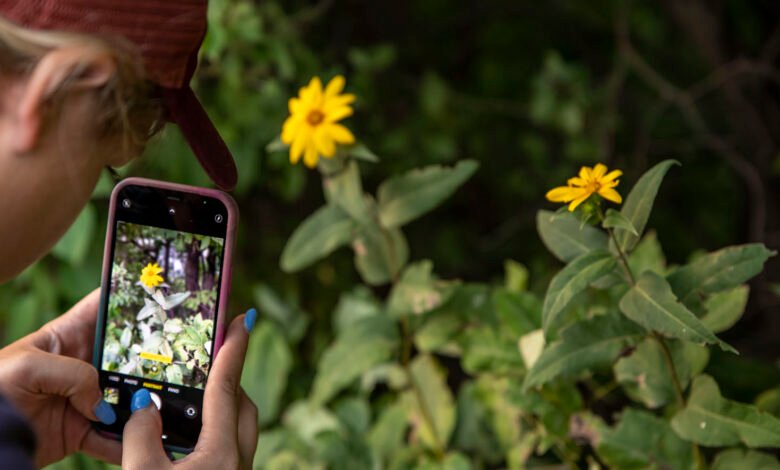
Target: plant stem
[(622, 256), (678, 390), (406, 349)]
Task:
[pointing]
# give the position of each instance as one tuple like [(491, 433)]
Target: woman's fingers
[(222, 396), (103, 448), (247, 430), (142, 437), (71, 378)]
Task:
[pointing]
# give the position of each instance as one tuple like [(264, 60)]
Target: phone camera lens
[(126, 203), (218, 218), (172, 211)]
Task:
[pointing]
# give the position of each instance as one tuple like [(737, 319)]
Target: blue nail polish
[(105, 412), (249, 319), (141, 399)]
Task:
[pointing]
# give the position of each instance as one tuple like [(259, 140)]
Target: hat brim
[(186, 111)]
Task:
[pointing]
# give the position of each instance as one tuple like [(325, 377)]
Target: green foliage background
[(531, 91)]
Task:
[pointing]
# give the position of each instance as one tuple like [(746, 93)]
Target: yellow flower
[(150, 275), (590, 181), (312, 128)]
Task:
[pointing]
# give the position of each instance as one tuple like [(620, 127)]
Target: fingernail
[(249, 319), (105, 412), (141, 399)]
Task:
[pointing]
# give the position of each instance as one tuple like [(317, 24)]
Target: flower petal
[(576, 181), (337, 102), (611, 176), (338, 114), (324, 142), (310, 158), (563, 194), (335, 86), (290, 129), (294, 105), (598, 171), (297, 147), (578, 201), (585, 172), (340, 134), (610, 195)]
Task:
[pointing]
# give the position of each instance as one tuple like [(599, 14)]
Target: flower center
[(315, 117), (593, 187)]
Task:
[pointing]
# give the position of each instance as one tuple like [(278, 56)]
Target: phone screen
[(160, 309)]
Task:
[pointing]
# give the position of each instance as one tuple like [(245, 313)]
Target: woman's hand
[(48, 376), (229, 435)]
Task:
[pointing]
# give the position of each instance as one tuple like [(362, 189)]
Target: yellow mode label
[(156, 357), (151, 385)]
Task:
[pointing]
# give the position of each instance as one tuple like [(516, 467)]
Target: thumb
[(142, 437)]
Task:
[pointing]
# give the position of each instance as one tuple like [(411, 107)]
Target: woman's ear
[(82, 67)]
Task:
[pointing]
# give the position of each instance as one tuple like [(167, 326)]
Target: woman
[(84, 85)]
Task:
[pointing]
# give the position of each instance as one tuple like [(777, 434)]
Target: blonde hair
[(126, 106)]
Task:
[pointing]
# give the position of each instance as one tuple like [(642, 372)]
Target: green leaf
[(387, 434), (585, 345), (739, 459), (652, 304), (74, 245), (309, 420), (380, 254), (361, 152), (570, 281), (290, 318), (719, 270), (711, 420), (418, 291), (267, 366), (566, 238), (648, 256), (646, 376), (352, 306), (641, 440), (615, 219), (516, 276), (407, 197), (368, 342), (430, 402), (639, 204), (319, 235), (724, 309), (345, 189)]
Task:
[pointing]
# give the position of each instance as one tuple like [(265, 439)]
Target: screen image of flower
[(162, 305)]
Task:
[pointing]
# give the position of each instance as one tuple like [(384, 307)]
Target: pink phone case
[(232, 210)]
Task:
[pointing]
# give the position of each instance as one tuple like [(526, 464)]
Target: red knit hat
[(168, 34)]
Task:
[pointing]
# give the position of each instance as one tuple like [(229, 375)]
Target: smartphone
[(166, 279)]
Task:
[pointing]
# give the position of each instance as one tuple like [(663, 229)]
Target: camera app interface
[(162, 306)]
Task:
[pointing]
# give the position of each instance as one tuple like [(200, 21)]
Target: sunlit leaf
[(566, 237)]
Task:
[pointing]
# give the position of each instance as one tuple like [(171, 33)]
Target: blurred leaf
[(437, 331), (724, 309), (434, 95), (344, 188), (719, 270), (267, 366), (309, 420), (769, 401), (290, 318), (741, 459), (641, 440), (354, 305), (570, 281), (430, 402), (74, 245), (615, 219), (354, 413), (646, 375), (711, 420), (652, 304), (380, 254), (369, 341), (518, 313), (639, 204), (317, 236), (387, 434), (585, 345), (566, 237), (407, 197), (515, 276), (359, 151), (417, 291)]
